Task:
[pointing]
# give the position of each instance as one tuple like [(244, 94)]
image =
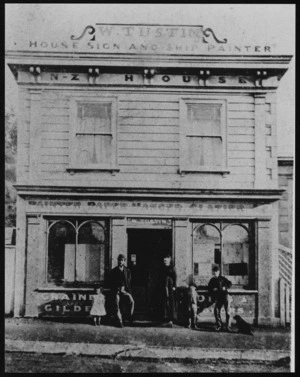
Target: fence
[(285, 283), (10, 255)]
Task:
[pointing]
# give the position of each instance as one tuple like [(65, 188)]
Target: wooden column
[(19, 302), (265, 279), (42, 254), (271, 140), (22, 155), (35, 134), (34, 240), (260, 141), (182, 251), (118, 238)]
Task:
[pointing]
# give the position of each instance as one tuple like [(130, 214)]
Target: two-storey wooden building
[(145, 141)]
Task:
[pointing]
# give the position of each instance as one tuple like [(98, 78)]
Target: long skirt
[(167, 302)]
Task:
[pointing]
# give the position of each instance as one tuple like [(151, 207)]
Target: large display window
[(77, 250), (228, 245)]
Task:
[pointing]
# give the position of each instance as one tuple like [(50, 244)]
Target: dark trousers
[(168, 301), (221, 302), (124, 296), (192, 315)]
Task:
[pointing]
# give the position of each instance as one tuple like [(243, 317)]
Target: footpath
[(143, 341)]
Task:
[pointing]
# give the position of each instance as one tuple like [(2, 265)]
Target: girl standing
[(98, 307)]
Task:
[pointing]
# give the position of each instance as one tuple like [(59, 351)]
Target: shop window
[(236, 254), (226, 245), (202, 141), (93, 143), (206, 249), (77, 251)]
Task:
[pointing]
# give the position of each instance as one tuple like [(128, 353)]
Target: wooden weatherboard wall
[(148, 132)]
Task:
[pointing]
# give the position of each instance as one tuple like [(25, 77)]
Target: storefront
[(146, 153)]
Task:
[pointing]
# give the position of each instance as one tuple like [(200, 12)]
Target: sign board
[(145, 208), (149, 222), (241, 304), (163, 80), (64, 304), (144, 40)]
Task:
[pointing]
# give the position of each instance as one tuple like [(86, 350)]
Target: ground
[(82, 331), (41, 363)]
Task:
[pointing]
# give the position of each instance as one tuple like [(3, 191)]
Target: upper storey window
[(93, 144), (202, 143)]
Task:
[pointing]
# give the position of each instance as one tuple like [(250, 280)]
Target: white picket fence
[(285, 283)]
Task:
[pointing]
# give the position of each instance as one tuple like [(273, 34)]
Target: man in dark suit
[(119, 280), (217, 288)]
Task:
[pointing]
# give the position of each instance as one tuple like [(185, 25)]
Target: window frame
[(74, 131), (184, 165), (77, 223), (221, 226)]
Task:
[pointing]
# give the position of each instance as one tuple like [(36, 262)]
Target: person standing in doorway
[(217, 289), (119, 281), (167, 287)]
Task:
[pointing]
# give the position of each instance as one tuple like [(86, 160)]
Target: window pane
[(212, 151), (206, 252), (61, 252), (94, 117), (90, 261), (93, 149), (204, 151), (204, 119), (236, 254)]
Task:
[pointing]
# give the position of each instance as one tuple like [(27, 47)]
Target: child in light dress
[(98, 306), (192, 306)]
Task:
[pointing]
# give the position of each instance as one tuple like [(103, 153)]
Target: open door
[(146, 250)]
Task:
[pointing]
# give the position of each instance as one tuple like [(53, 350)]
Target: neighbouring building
[(285, 182), (146, 140)]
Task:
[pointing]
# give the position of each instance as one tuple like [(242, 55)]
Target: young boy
[(192, 306), (217, 288)]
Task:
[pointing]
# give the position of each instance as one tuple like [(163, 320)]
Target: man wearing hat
[(119, 282)]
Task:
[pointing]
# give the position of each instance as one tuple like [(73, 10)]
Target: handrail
[(286, 249), (285, 258)]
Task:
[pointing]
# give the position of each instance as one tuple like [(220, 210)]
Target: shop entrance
[(146, 250)]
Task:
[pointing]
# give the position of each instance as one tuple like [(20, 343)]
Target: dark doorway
[(146, 250)]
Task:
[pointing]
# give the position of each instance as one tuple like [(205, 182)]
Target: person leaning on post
[(119, 282), (217, 289)]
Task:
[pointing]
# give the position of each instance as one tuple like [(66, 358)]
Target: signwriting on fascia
[(126, 205), (135, 39), (150, 32)]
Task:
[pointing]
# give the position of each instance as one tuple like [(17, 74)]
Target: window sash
[(204, 151), (189, 134), (94, 150), (97, 132), (201, 126)]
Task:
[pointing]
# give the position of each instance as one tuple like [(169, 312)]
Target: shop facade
[(146, 151)]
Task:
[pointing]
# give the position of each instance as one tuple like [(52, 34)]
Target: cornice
[(143, 60), (148, 193)]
